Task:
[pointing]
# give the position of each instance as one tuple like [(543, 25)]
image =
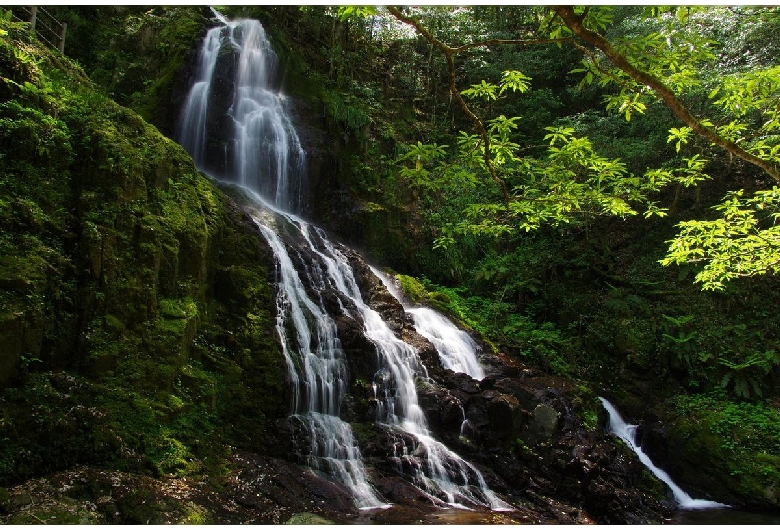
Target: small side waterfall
[(457, 350), (316, 283), (627, 433)]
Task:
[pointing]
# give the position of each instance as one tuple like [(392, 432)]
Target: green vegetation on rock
[(135, 322)]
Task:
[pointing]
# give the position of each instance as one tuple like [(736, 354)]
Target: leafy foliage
[(665, 56), (744, 242), (747, 435)]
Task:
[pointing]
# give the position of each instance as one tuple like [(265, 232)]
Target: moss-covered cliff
[(135, 308)]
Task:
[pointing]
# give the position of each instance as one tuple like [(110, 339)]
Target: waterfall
[(457, 350), (315, 281), (191, 131), (436, 469), (253, 143), (627, 433), (318, 371)]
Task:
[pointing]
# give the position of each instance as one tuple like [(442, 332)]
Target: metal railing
[(49, 29)]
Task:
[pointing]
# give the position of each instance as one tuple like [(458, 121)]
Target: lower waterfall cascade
[(434, 468)]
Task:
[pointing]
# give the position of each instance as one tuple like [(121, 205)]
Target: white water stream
[(457, 350), (267, 162), (627, 433)]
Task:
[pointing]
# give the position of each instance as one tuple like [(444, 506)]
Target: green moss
[(194, 514), (172, 457), (587, 406), (412, 288), (306, 518), (134, 53), (5, 500), (61, 514), (738, 443), (114, 329), (649, 483), (364, 432)]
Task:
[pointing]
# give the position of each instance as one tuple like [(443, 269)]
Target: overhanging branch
[(449, 53), (574, 23)]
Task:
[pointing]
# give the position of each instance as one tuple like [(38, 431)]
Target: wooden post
[(33, 15), (62, 37)]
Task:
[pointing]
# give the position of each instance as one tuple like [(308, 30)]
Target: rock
[(543, 423), (505, 415), (5, 500), (20, 499), (652, 438), (308, 518)]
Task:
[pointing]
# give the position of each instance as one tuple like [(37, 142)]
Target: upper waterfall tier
[(234, 122)]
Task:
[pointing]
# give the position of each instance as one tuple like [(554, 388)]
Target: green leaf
[(484, 90), (356, 12), (514, 80)]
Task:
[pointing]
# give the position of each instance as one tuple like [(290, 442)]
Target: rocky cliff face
[(136, 311), (523, 428)]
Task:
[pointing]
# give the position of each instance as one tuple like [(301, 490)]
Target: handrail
[(46, 27)]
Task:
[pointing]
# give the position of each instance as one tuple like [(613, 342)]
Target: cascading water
[(627, 433), (191, 133), (254, 143), (457, 350), (435, 468), (269, 162), (265, 158), (318, 371)]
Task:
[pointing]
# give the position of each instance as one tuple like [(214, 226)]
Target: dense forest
[(592, 193)]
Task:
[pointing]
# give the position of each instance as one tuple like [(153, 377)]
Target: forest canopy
[(707, 66)]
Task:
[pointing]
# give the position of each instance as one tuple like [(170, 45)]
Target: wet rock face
[(652, 438), (220, 129), (519, 427)]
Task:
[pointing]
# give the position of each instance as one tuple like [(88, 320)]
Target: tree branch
[(574, 23), (449, 53), (517, 42)]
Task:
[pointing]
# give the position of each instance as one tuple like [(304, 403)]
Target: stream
[(691, 511)]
